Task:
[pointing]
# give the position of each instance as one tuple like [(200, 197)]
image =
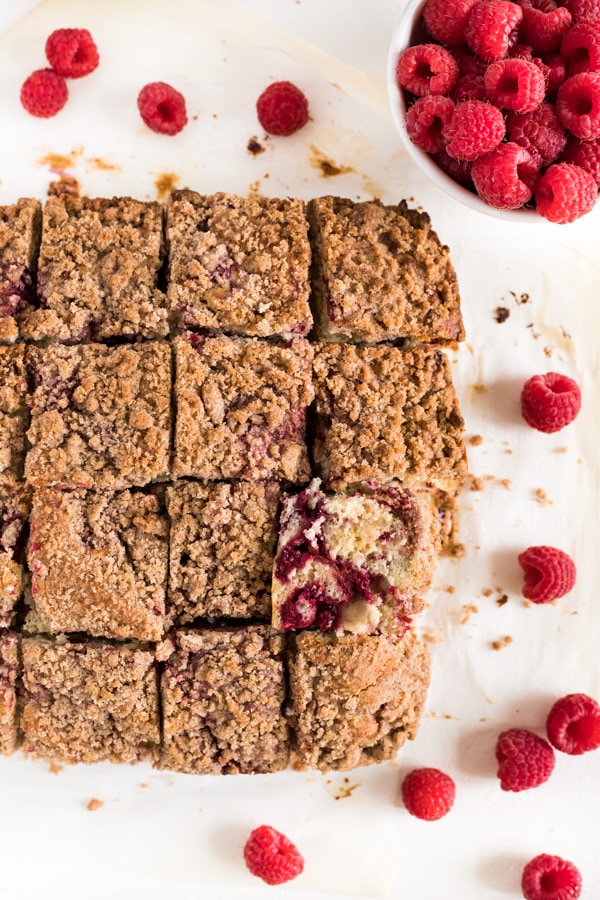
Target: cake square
[(385, 414), (9, 672), (20, 228), (357, 563), (15, 503), (222, 544), (237, 265), (241, 408), (380, 273), (98, 271), (100, 416), (87, 701), (99, 563), (13, 412), (222, 693), (354, 699)]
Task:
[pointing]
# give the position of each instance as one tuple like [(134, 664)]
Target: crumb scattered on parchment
[(164, 184), (345, 789), (487, 592), (254, 190), (501, 314), (65, 184), (96, 163), (94, 804), (143, 784), (502, 642), (55, 768), (478, 388), (450, 589), (469, 609), (502, 599), (520, 299), (542, 498), (475, 440), (59, 161), (428, 637), (254, 147), (476, 484), (506, 483), (457, 550), (326, 167), (561, 450)]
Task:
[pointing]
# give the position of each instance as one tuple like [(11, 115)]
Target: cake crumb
[(561, 450), (428, 637), (501, 314), (94, 804), (254, 147), (66, 184), (475, 440), (164, 184), (55, 768), (457, 550), (478, 388), (502, 642), (487, 592), (506, 483), (502, 599), (476, 483), (345, 789), (450, 589), (468, 610), (325, 166), (542, 498)]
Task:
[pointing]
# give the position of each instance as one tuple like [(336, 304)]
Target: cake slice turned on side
[(9, 670), (355, 563), (355, 699)]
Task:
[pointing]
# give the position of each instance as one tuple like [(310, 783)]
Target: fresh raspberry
[(578, 105), (549, 573), (476, 128), (72, 52), (585, 154), (550, 401), (162, 108), (580, 48), (468, 63), (548, 877), (469, 87), (426, 69), (515, 84), (459, 170), (524, 759), (545, 30), (445, 20), (489, 27), (428, 793), (565, 193), (506, 177), (44, 93), (583, 9), (427, 120), (282, 109), (540, 132), (556, 73), (545, 6), (573, 724), (271, 856)]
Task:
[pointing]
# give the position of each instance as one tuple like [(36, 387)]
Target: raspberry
[(162, 108), (476, 128), (282, 109), (540, 132), (524, 760), (489, 26), (445, 20), (585, 154), (44, 93), (469, 87), (427, 120), (580, 48), (515, 84), (72, 52), (578, 105), (551, 401), (583, 9), (428, 793), (544, 30), (556, 73), (548, 877), (468, 63), (549, 573), (565, 193), (573, 724), (426, 69), (457, 169), (505, 178), (271, 856)]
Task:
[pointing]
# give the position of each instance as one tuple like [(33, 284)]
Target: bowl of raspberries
[(498, 101)]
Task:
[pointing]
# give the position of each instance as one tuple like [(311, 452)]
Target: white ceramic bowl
[(410, 31)]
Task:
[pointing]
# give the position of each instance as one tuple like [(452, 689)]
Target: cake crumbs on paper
[(450, 589), (55, 768), (94, 804), (542, 498), (502, 642), (65, 184), (326, 166), (506, 483), (501, 314), (560, 450), (344, 790), (476, 483), (428, 637), (475, 440), (520, 299), (254, 146), (164, 184), (502, 599), (468, 610)]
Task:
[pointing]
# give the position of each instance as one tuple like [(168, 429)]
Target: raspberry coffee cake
[(20, 226), (216, 530)]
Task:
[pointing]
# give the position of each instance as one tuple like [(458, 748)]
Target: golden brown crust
[(13, 412), (354, 699), (222, 543), (383, 413), (381, 273), (97, 271), (100, 415), (239, 265), (98, 563), (9, 670), (222, 695), (20, 227), (89, 701), (241, 408)]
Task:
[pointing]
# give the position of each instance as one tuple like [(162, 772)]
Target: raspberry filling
[(18, 291)]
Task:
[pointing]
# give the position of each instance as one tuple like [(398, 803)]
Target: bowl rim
[(400, 41)]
